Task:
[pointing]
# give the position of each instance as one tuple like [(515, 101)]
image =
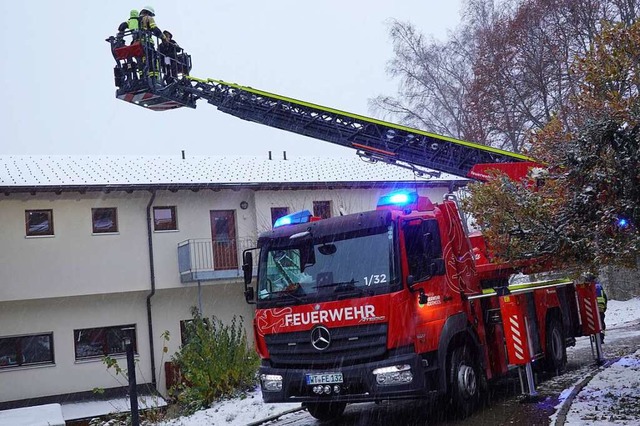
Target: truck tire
[(464, 382), (326, 410), (555, 357)]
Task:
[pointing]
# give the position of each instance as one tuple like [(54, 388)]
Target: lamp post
[(131, 373)]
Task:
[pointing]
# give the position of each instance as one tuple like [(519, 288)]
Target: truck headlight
[(271, 382), (395, 375)]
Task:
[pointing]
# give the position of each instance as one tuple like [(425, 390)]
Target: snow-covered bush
[(215, 362)]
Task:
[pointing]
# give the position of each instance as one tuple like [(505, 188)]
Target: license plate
[(325, 378)]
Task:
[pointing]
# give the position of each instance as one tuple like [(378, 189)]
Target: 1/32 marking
[(375, 279)]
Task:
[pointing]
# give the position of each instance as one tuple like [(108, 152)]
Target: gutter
[(152, 274), (264, 186)]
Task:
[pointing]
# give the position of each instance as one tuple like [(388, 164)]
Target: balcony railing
[(206, 259)]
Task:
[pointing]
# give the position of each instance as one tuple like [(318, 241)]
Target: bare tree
[(433, 79), (504, 73)]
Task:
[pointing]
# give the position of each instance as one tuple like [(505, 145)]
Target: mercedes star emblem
[(320, 338)]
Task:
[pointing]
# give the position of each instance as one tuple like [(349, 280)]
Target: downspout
[(152, 273)]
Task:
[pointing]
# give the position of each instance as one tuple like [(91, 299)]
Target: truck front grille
[(349, 345)]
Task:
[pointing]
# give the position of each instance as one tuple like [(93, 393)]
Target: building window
[(164, 219), (39, 222), (104, 220), (101, 341), (19, 351), (322, 209), (277, 213)]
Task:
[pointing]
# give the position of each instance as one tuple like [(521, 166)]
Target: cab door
[(425, 273)]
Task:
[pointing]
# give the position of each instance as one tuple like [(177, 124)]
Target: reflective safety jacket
[(148, 24), (133, 23), (601, 297)]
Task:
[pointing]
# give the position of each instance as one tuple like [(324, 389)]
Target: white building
[(95, 245)]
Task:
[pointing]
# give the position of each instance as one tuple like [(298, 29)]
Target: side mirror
[(247, 266)]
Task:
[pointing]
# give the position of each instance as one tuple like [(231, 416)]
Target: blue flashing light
[(398, 198), (623, 223), (303, 216)]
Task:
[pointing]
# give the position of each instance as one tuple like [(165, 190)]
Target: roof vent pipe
[(284, 155), (269, 155)]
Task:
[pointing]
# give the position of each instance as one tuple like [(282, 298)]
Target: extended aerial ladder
[(427, 154)]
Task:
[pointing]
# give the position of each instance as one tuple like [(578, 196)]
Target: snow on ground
[(88, 409), (233, 412), (611, 397), (619, 313)]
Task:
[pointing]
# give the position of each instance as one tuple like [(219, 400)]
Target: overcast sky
[(57, 70)]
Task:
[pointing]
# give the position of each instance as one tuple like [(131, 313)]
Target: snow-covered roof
[(76, 171)]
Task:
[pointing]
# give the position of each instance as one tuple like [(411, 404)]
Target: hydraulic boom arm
[(160, 88), (373, 139)]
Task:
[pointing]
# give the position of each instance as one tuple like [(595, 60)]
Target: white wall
[(62, 316), (76, 262), (73, 261)]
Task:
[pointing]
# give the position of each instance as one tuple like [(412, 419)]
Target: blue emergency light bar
[(398, 198), (302, 216)]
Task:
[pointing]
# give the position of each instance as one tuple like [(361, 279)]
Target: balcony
[(207, 260)]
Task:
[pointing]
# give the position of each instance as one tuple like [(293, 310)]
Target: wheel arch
[(455, 332)]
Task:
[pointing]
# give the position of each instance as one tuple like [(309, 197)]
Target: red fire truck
[(397, 302)]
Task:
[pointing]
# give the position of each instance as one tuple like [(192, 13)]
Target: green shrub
[(215, 361)]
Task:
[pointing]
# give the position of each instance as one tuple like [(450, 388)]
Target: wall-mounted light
[(244, 205)]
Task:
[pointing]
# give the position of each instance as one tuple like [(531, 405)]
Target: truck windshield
[(302, 270)]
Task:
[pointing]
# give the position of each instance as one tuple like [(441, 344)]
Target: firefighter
[(129, 65), (169, 50), (132, 24), (602, 307), (149, 29)]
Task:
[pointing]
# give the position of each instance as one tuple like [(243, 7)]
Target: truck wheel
[(556, 351), (464, 382), (326, 410)]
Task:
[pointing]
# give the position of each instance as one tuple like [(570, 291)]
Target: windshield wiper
[(280, 295), (340, 286)]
